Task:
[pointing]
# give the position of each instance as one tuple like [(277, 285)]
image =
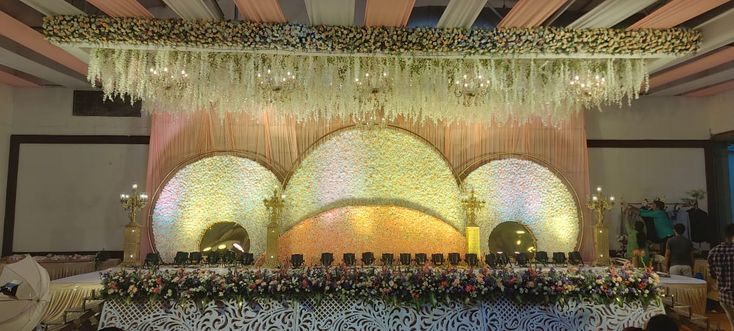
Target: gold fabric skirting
[(693, 295)]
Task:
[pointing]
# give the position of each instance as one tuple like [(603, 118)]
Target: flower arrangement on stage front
[(415, 285)]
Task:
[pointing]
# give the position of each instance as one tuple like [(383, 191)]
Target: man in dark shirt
[(679, 253), (721, 268)]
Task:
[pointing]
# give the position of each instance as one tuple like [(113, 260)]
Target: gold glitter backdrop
[(377, 229)]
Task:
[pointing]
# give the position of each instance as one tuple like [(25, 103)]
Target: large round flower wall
[(529, 193), (373, 166), (220, 188)]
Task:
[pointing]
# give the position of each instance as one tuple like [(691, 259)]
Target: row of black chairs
[(492, 260)]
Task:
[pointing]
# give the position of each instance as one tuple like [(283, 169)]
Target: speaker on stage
[(420, 258), (559, 258), (368, 258), (454, 259), (215, 257), (152, 259), (247, 259), (349, 259), (471, 259), (229, 257), (437, 259), (491, 260), (405, 258), (387, 259), (297, 260), (327, 259), (541, 257)]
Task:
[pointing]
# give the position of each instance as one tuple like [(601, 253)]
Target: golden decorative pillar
[(473, 239), (275, 207), (599, 205), (132, 203)]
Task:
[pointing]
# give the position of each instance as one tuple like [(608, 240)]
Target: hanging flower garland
[(356, 72), (131, 32)]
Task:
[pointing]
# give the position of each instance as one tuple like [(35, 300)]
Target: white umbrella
[(24, 311)]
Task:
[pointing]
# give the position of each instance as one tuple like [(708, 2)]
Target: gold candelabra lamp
[(471, 205), (132, 203), (275, 206), (599, 205)]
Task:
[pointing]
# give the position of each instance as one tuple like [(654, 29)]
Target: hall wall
[(6, 112), (77, 186)]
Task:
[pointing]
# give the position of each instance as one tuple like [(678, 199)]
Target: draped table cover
[(687, 291), (702, 266)]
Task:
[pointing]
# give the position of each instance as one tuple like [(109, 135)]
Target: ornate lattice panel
[(352, 314)]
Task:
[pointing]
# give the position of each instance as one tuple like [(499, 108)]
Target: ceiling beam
[(121, 8), (715, 33), (712, 90), (609, 13), (13, 80), (12, 60), (698, 83), (196, 9), (675, 12), (34, 40)]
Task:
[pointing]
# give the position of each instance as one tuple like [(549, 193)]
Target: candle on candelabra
[(131, 203)]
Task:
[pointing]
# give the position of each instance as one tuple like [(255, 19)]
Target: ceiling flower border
[(128, 32)]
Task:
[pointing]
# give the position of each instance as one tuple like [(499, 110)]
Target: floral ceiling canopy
[(362, 72)]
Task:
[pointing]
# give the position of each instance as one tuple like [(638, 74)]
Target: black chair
[(229, 257), (491, 260), (437, 259), (471, 259), (503, 259), (541, 257), (349, 259), (247, 259), (559, 258), (368, 258), (215, 257), (420, 258), (521, 259), (327, 259), (181, 258), (195, 257), (574, 258), (152, 259), (296, 260), (387, 259), (405, 258), (454, 259)]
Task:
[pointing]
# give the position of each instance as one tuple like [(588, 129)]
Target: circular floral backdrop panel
[(529, 193), (373, 166), (220, 188)]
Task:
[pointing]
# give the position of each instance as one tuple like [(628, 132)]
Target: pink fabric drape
[(530, 13), (725, 55), (121, 8), (388, 12), (676, 12), (261, 10), (712, 90), (281, 142)]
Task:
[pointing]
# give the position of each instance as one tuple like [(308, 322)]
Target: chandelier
[(373, 84), (588, 88), (273, 81), (471, 89)]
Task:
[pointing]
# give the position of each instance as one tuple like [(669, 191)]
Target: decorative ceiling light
[(373, 83), (273, 81), (471, 88), (588, 87)]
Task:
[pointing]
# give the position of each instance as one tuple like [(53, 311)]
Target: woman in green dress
[(637, 250)]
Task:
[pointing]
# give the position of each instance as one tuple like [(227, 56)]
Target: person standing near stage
[(721, 268), (679, 253), (663, 227)]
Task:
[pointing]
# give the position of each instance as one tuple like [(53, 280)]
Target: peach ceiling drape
[(280, 143)]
